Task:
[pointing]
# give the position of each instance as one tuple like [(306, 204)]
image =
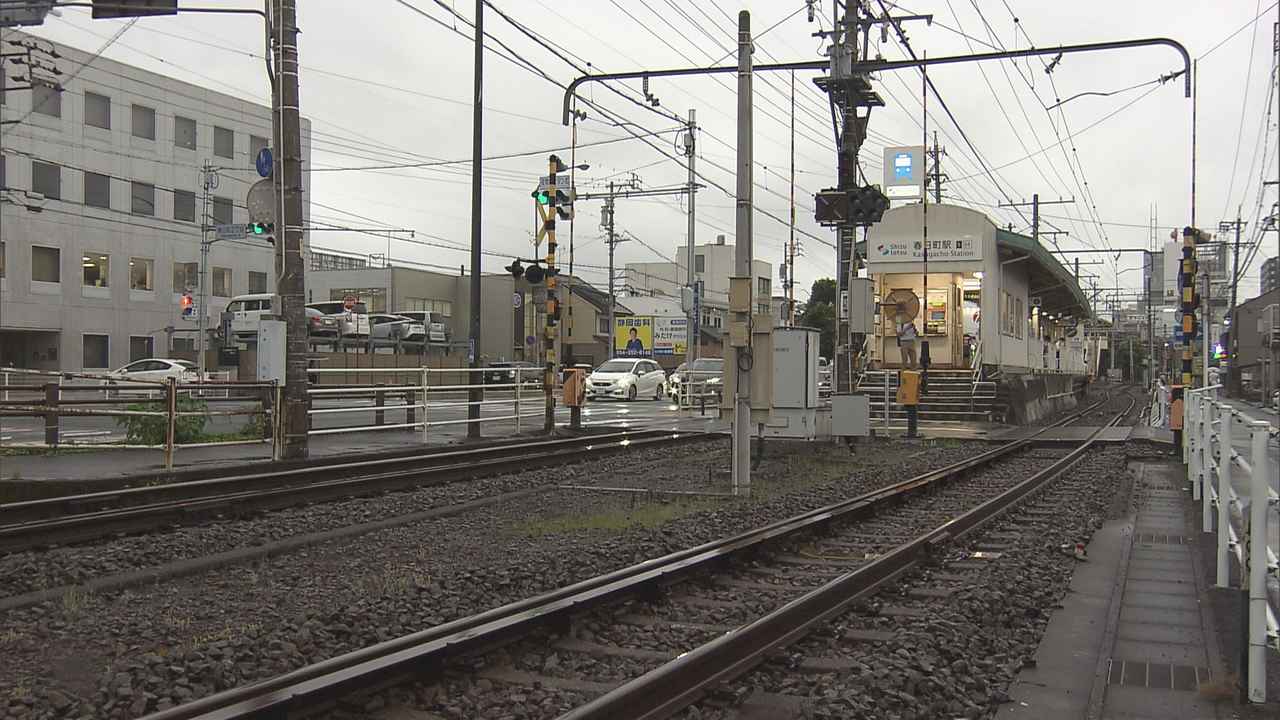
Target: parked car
[(504, 372), (150, 370), (437, 328), (706, 377), (351, 323), (395, 327), (247, 312), (627, 379)]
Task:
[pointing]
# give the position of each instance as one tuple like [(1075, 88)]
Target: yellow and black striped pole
[(1187, 305), (553, 305)]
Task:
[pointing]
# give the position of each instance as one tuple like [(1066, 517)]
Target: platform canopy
[(1055, 285)]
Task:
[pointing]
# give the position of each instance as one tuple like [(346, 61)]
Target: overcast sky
[(384, 84)]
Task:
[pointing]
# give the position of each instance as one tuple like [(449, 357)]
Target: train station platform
[(1135, 636)]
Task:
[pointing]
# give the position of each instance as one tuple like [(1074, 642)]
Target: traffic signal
[(515, 268), (564, 204), (541, 196), (266, 231), (831, 207)]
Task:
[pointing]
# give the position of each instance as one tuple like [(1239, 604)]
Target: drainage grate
[(1158, 676), (1157, 539)]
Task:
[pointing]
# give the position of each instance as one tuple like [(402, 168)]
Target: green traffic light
[(257, 228), (543, 198)]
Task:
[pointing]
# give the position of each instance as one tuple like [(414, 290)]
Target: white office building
[(102, 208)]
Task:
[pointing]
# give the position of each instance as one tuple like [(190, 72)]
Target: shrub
[(150, 429)]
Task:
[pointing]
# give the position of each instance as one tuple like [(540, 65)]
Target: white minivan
[(246, 314)]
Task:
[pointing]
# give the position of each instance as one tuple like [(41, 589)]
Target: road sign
[(530, 340), (562, 182), (233, 231), (261, 202), (517, 300), (263, 162)]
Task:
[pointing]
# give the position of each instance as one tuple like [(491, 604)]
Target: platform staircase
[(951, 397)]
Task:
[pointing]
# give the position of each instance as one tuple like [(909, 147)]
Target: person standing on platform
[(907, 337)]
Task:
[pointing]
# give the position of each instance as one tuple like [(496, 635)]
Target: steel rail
[(675, 685), (239, 495), (314, 686)]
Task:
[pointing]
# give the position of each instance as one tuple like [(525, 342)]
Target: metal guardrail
[(413, 394), (52, 402), (1209, 451)]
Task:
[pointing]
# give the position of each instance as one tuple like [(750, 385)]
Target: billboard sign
[(670, 335), (904, 172), (633, 336)]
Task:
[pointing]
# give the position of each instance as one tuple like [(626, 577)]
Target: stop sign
[(349, 302)]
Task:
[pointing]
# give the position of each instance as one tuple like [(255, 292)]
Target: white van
[(246, 314), (353, 323)]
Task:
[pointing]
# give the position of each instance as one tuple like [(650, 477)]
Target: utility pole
[(791, 246), (740, 357), (936, 154), (611, 239), (476, 393), (691, 342), (291, 284), (1233, 377), (1035, 212), (208, 181)]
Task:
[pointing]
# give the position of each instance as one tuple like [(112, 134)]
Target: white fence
[(1212, 461)]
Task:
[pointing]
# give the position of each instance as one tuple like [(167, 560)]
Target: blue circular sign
[(263, 162)]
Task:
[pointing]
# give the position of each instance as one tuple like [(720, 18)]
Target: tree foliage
[(820, 313)]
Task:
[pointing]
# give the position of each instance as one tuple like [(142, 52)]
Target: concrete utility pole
[(740, 358), (291, 284), (791, 246), (476, 393), (691, 343), (1233, 376), (612, 241)]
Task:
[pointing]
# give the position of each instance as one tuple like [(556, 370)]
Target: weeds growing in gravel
[(393, 580), (646, 514), (74, 601)]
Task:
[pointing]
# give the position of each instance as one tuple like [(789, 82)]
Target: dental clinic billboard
[(649, 336)]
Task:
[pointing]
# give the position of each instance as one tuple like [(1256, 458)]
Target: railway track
[(870, 539), (79, 518)]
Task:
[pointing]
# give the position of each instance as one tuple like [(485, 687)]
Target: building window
[(222, 282), (604, 325), (256, 145), (97, 351), (96, 269), (184, 344), (142, 274), (97, 190), (46, 264), (97, 110), (257, 282), (186, 276), (763, 286), (443, 307), (221, 211), (224, 142), (46, 179), (144, 198), (141, 347), (144, 122), (184, 132), (762, 309), (3, 184), (46, 101), (699, 263), (184, 205)]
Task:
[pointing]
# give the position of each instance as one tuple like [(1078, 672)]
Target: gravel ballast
[(124, 654)]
